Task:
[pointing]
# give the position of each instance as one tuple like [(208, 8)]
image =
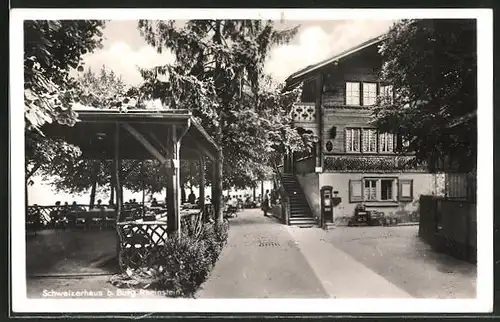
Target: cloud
[(316, 43), (123, 60)]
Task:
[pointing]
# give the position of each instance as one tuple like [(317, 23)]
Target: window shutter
[(405, 191), (355, 190)]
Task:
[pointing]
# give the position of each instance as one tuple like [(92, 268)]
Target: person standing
[(265, 203)]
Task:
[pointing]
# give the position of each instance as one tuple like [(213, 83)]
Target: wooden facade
[(325, 108)]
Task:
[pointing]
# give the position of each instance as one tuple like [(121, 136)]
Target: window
[(380, 190), (386, 142), (386, 92), (369, 93), (369, 140), (352, 140), (401, 144), (370, 193), (386, 191), (352, 93)]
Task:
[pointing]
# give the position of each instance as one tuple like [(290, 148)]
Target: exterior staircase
[(300, 213)]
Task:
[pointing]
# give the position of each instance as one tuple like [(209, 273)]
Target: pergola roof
[(94, 133)]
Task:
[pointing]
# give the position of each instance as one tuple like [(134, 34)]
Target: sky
[(124, 49)]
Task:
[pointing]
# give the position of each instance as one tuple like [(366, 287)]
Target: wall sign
[(329, 146)]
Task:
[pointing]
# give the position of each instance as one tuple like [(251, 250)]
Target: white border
[(484, 300)]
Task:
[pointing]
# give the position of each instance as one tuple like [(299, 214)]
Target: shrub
[(215, 236), (182, 264)]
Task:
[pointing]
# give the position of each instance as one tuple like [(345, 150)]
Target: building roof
[(94, 132), (303, 73), (462, 120)]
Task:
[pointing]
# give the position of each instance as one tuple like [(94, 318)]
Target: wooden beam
[(173, 182), (319, 119), (202, 188), (117, 169), (139, 137), (157, 141)]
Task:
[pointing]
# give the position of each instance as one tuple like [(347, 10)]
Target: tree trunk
[(92, 193), (254, 192), (218, 166), (26, 195), (113, 185), (143, 200), (94, 173)]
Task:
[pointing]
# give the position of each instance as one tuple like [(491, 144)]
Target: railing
[(389, 163), (304, 112), (78, 216), (139, 239), (284, 198)]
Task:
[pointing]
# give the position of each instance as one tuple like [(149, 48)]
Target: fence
[(461, 186), (449, 225)]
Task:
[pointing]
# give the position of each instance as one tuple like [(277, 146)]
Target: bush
[(180, 265), (215, 236)]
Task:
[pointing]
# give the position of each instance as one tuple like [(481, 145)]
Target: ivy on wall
[(372, 163)]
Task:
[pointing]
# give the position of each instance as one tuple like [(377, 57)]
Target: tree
[(99, 90), (51, 50), (432, 66), (218, 75)]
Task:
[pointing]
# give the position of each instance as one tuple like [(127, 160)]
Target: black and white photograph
[(313, 160)]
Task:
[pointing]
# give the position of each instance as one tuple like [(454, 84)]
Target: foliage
[(215, 236), (432, 66), (76, 175), (181, 265), (42, 153), (52, 48), (218, 75)]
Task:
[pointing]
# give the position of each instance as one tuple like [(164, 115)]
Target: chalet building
[(352, 156)]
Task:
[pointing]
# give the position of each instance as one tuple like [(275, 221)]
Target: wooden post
[(202, 188), (319, 121), (117, 170), (217, 188), (173, 182)]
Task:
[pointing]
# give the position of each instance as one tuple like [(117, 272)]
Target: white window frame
[(373, 189), (357, 190), (378, 189), (393, 189), (350, 145), (383, 140), (350, 99), (369, 97), (371, 133)]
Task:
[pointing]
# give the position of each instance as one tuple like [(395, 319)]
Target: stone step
[(309, 222)]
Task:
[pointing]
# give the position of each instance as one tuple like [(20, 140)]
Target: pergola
[(165, 135)]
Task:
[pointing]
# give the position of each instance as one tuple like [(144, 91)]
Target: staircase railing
[(284, 198)]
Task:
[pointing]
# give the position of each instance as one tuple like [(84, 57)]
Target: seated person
[(191, 198), (154, 203)]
